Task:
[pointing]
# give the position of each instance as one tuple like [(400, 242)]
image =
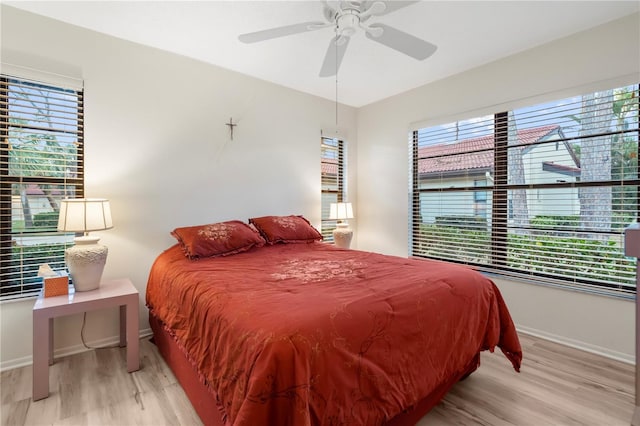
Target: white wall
[(157, 147), (597, 58)]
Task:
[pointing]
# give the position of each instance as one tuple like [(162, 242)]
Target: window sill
[(558, 284)]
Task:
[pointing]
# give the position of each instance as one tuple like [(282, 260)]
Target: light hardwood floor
[(557, 386)]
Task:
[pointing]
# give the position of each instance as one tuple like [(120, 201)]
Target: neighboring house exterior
[(330, 186), (469, 164), (37, 202)]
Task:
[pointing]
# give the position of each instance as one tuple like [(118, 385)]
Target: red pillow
[(217, 239), (286, 229)]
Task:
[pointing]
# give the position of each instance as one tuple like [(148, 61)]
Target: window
[(480, 199), (333, 187), (559, 181), (41, 162)]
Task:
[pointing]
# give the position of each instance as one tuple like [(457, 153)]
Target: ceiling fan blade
[(328, 11), (281, 31), (376, 8), (403, 42), (392, 6), (335, 52)]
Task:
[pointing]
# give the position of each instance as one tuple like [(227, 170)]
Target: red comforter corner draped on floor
[(302, 334)]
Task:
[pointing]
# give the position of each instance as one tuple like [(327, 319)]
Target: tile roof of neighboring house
[(481, 158), (34, 189), (329, 166)]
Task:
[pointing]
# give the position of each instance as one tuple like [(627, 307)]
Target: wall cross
[(231, 125)]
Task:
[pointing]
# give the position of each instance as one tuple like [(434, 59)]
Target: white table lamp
[(342, 234), (87, 258)]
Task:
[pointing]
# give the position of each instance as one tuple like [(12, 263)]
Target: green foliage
[(22, 270), (17, 225), (455, 243), (584, 259), (46, 221), (556, 221), (589, 259), (460, 221), (39, 155), (622, 220)]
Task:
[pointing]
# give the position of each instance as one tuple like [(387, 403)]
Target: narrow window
[(333, 182)]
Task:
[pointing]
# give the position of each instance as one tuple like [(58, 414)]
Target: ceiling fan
[(346, 18)]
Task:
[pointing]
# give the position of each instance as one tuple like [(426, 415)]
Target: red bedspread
[(300, 334)]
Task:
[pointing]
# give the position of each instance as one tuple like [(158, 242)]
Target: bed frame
[(204, 402)]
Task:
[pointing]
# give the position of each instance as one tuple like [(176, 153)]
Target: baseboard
[(16, 363), (69, 350), (577, 344)]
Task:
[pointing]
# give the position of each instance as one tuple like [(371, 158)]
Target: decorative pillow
[(286, 229), (217, 239)]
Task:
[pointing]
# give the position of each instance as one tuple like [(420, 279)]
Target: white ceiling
[(467, 33)]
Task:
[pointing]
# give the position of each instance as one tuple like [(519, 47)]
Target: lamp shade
[(340, 211), (84, 215)]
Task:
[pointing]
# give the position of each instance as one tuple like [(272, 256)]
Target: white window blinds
[(333, 182), (542, 192), (41, 162)]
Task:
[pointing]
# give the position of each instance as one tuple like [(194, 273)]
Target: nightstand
[(112, 293)]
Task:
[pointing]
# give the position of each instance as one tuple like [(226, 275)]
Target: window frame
[(328, 225), (27, 284), (499, 206)]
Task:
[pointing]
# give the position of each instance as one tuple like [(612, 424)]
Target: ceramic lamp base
[(86, 262), (342, 236)]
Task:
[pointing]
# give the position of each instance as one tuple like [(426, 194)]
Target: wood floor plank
[(14, 413), (15, 385), (557, 385)]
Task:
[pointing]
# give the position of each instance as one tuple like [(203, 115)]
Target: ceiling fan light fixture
[(347, 22)]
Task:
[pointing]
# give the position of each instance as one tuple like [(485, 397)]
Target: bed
[(286, 331)]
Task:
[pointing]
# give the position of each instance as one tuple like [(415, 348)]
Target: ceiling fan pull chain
[(336, 79)]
